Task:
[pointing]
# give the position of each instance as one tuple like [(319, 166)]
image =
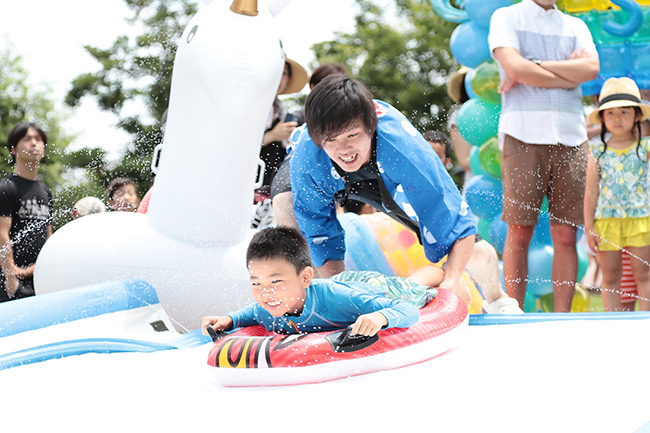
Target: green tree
[(404, 58), (136, 69)]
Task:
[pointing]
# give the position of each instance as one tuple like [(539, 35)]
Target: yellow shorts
[(617, 233)]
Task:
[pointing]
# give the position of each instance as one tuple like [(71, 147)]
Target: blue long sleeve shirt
[(331, 305), (412, 174)]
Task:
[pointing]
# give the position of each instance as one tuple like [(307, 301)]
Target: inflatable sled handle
[(343, 341), (260, 178), (215, 335), (155, 160)]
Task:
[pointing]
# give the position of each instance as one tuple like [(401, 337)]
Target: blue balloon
[(480, 11), (542, 235), (474, 161), (498, 233), (445, 10), (468, 84), (540, 260), (484, 196), (469, 45)]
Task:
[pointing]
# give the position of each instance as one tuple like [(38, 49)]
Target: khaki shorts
[(532, 171)]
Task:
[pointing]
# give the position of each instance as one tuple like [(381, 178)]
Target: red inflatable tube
[(254, 357)]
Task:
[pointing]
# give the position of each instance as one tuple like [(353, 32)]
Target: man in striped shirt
[(543, 55)]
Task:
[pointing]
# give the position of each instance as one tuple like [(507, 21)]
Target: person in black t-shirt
[(25, 212)]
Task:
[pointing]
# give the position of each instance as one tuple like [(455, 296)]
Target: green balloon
[(490, 157), (485, 82), (474, 162), (478, 121)]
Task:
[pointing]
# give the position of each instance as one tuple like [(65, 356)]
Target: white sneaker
[(503, 305)]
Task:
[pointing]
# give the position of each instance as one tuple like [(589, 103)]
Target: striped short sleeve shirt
[(532, 114)]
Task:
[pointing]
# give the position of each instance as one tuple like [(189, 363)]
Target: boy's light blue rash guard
[(404, 158), (331, 305)]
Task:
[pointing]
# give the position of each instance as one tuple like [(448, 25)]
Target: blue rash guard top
[(331, 305), (410, 171)]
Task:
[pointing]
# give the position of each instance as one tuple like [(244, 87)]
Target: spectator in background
[(86, 206), (279, 127), (25, 212), (457, 93), (543, 56), (122, 196), (323, 71)]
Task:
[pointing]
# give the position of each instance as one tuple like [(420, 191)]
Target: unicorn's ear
[(276, 6)]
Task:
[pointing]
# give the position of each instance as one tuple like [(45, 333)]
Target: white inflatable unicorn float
[(191, 245)]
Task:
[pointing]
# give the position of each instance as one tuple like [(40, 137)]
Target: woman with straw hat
[(616, 207)]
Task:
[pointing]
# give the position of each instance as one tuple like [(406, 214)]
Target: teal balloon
[(483, 227), (530, 303), (478, 121), (490, 157), (485, 82), (475, 162), (583, 262)]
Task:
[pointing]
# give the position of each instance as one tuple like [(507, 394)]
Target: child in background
[(122, 196), (617, 210), (290, 301)]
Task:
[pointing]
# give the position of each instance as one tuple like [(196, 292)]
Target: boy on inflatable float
[(290, 301), (364, 149)]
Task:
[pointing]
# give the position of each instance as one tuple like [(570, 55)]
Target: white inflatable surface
[(574, 376)]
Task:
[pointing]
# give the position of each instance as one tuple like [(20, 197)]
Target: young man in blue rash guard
[(290, 301), (355, 147)]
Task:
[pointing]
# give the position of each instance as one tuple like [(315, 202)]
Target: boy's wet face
[(125, 199), (350, 149), (277, 287)]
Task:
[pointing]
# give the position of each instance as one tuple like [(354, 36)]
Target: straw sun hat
[(456, 81), (298, 77), (619, 92)]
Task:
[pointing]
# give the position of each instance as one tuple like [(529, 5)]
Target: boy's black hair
[(439, 137), (116, 184), (337, 103), (280, 243), (18, 132), (603, 131)]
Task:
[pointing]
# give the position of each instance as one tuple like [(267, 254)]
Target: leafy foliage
[(403, 59), (136, 69)]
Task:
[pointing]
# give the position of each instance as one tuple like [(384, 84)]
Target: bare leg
[(565, 266), (283, 210), (610, 263), (515, 261), (430, 276), (483, 267), (640, 261)]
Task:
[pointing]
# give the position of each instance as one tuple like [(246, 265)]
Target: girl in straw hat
[(617, 212)]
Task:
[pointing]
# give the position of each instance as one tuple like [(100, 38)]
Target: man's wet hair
[(19, 131), (280, 243), (117, 184), (336, 104)]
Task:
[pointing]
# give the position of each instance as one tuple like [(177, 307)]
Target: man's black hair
[(280, 243), (336, 104), (19, 131)]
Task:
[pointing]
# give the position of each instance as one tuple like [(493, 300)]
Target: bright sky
[(50, 36)]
